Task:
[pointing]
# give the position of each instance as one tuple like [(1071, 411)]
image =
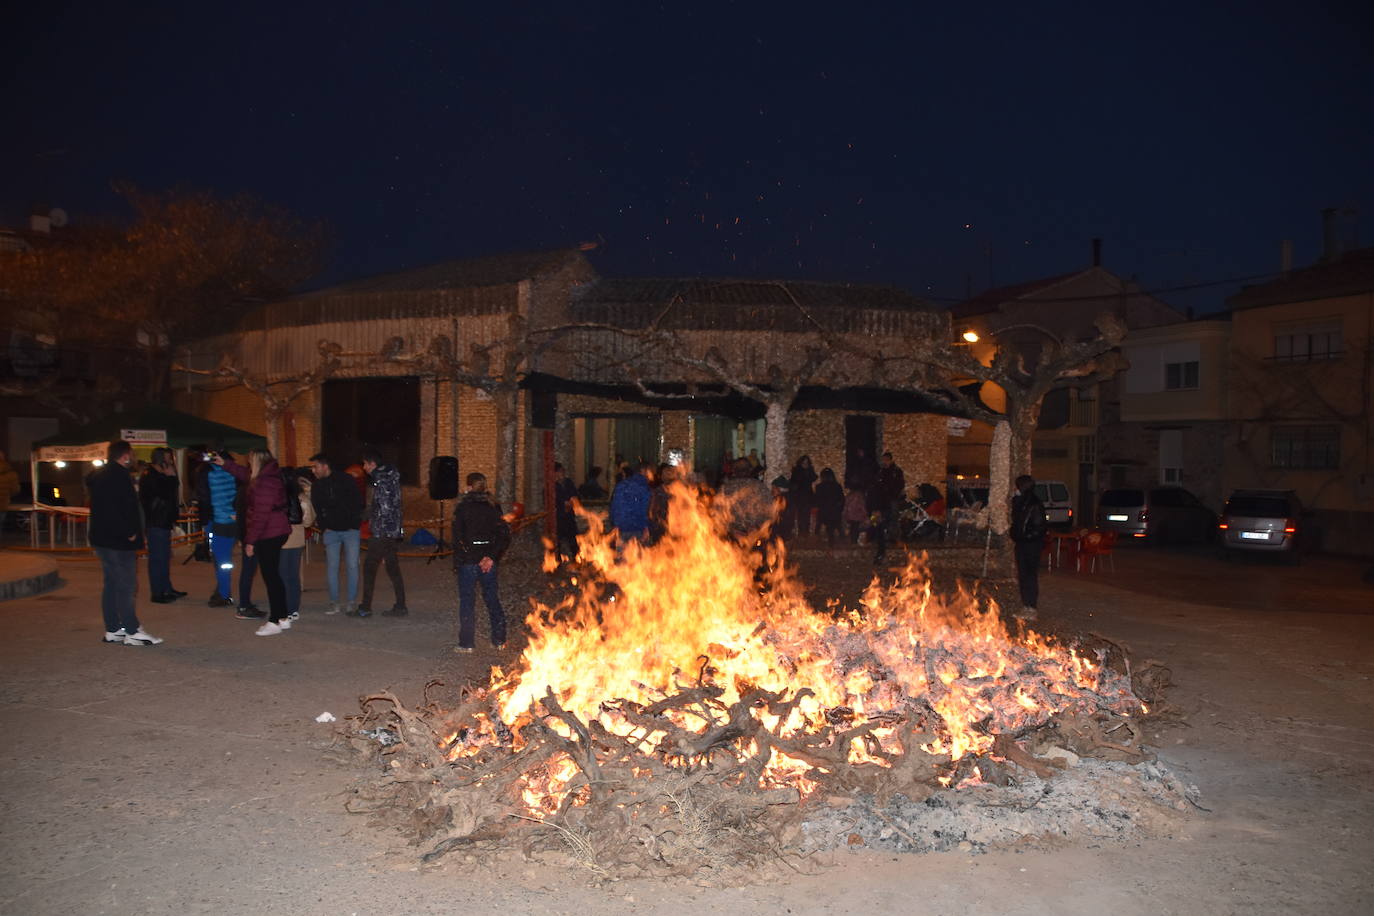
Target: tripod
[(439, 547)]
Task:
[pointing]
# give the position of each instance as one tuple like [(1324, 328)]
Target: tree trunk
[(507, 413), (1000, 473), (272, 414), (775, 439)]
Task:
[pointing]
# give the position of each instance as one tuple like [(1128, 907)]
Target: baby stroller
[(915, 522)]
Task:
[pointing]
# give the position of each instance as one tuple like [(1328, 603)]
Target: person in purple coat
[(266, 532)]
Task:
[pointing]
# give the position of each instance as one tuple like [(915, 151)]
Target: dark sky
[(808, 141)]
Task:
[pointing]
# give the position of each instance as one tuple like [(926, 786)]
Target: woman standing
[(266, 534), (160, 493), (300, 512)]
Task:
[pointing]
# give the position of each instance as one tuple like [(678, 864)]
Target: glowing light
[(971, 336), (226, 566), (98, 462), (59, 464)]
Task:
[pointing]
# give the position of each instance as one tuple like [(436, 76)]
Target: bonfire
[(684, 706)]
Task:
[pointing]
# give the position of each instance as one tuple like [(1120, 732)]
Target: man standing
[(339, 512), (1028, 533), (565, 521), (116, 533), (888, 488), (630, 506), (160, 492), (480, 537), (386, 529), (217, 493)]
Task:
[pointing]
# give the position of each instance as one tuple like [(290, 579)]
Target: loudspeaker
[(443, 477)]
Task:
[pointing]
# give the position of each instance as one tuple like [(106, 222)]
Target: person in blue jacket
[(630, 506)]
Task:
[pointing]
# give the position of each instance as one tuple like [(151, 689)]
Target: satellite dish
[(58, 217)]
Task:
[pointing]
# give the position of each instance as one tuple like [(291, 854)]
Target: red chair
[(1095, 545)]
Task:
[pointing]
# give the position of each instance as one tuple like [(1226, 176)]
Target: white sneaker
[(141, 639), (335, 608), (294, 615), (267, 629), (1027, 613), (117, 636), (284, 623)]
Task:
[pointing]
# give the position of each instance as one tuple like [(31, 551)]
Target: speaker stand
[(439, 547)]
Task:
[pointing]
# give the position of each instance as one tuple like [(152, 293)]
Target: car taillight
[(1070, 513), (1224, 523), (1290, 526)]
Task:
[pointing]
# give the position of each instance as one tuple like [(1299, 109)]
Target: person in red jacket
[(266, 533)]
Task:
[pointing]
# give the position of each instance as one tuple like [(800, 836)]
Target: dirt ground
[(190, 778)]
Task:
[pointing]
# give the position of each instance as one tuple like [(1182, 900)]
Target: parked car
[(1058, 503), (1157, 515), (1265, 521)]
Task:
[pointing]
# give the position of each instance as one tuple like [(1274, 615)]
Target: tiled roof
[(1351, 274), (989, 301), (742, 304)]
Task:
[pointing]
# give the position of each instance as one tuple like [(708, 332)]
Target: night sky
[(932, 149)]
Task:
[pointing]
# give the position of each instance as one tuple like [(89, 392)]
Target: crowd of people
[(871, 506), (255, 516)]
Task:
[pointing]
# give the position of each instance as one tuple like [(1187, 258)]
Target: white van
[(1058, 503)]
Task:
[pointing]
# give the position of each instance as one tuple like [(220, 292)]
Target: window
[(1304, 342), (1180, 375), (1306, 447), (1087, 449)]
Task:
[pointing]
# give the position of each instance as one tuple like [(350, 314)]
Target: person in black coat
[(1028, 526), (159, 491), (829, 500), (116, 534), (565, 527), (801, 494), (481, 537)]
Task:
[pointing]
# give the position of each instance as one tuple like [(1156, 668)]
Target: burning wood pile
[(684, 707)]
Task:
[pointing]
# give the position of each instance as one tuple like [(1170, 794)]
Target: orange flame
[(691, 609)]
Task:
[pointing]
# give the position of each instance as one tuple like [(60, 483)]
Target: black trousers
[(268, 554), (383, 550), (1028, 571)]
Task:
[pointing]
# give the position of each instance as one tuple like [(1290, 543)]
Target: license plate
[(1255, 535), (1118, 518)]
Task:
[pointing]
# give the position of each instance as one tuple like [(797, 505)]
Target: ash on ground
[(1090, 800)]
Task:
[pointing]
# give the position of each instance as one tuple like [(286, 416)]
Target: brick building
[(585, 400)]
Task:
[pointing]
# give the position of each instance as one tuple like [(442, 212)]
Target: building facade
[(1302, 393)]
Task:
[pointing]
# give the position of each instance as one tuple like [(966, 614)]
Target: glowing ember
[(691, 658)]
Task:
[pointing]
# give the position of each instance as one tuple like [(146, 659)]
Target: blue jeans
[(468, 578), (222, 552), (290, 567), (159, 561), (121, 582), (349, 541)]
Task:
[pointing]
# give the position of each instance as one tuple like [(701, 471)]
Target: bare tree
[(935, 366), (134, 292), (277, 394)]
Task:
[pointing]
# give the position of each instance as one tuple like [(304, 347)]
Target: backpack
[(294, 513)]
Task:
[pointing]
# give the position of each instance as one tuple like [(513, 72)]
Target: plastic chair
[(1095, 545)]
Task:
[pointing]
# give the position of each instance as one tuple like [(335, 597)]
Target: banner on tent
[(144, 436), (91, 452)]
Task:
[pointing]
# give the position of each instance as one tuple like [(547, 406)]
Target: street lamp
[(971, 336)]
